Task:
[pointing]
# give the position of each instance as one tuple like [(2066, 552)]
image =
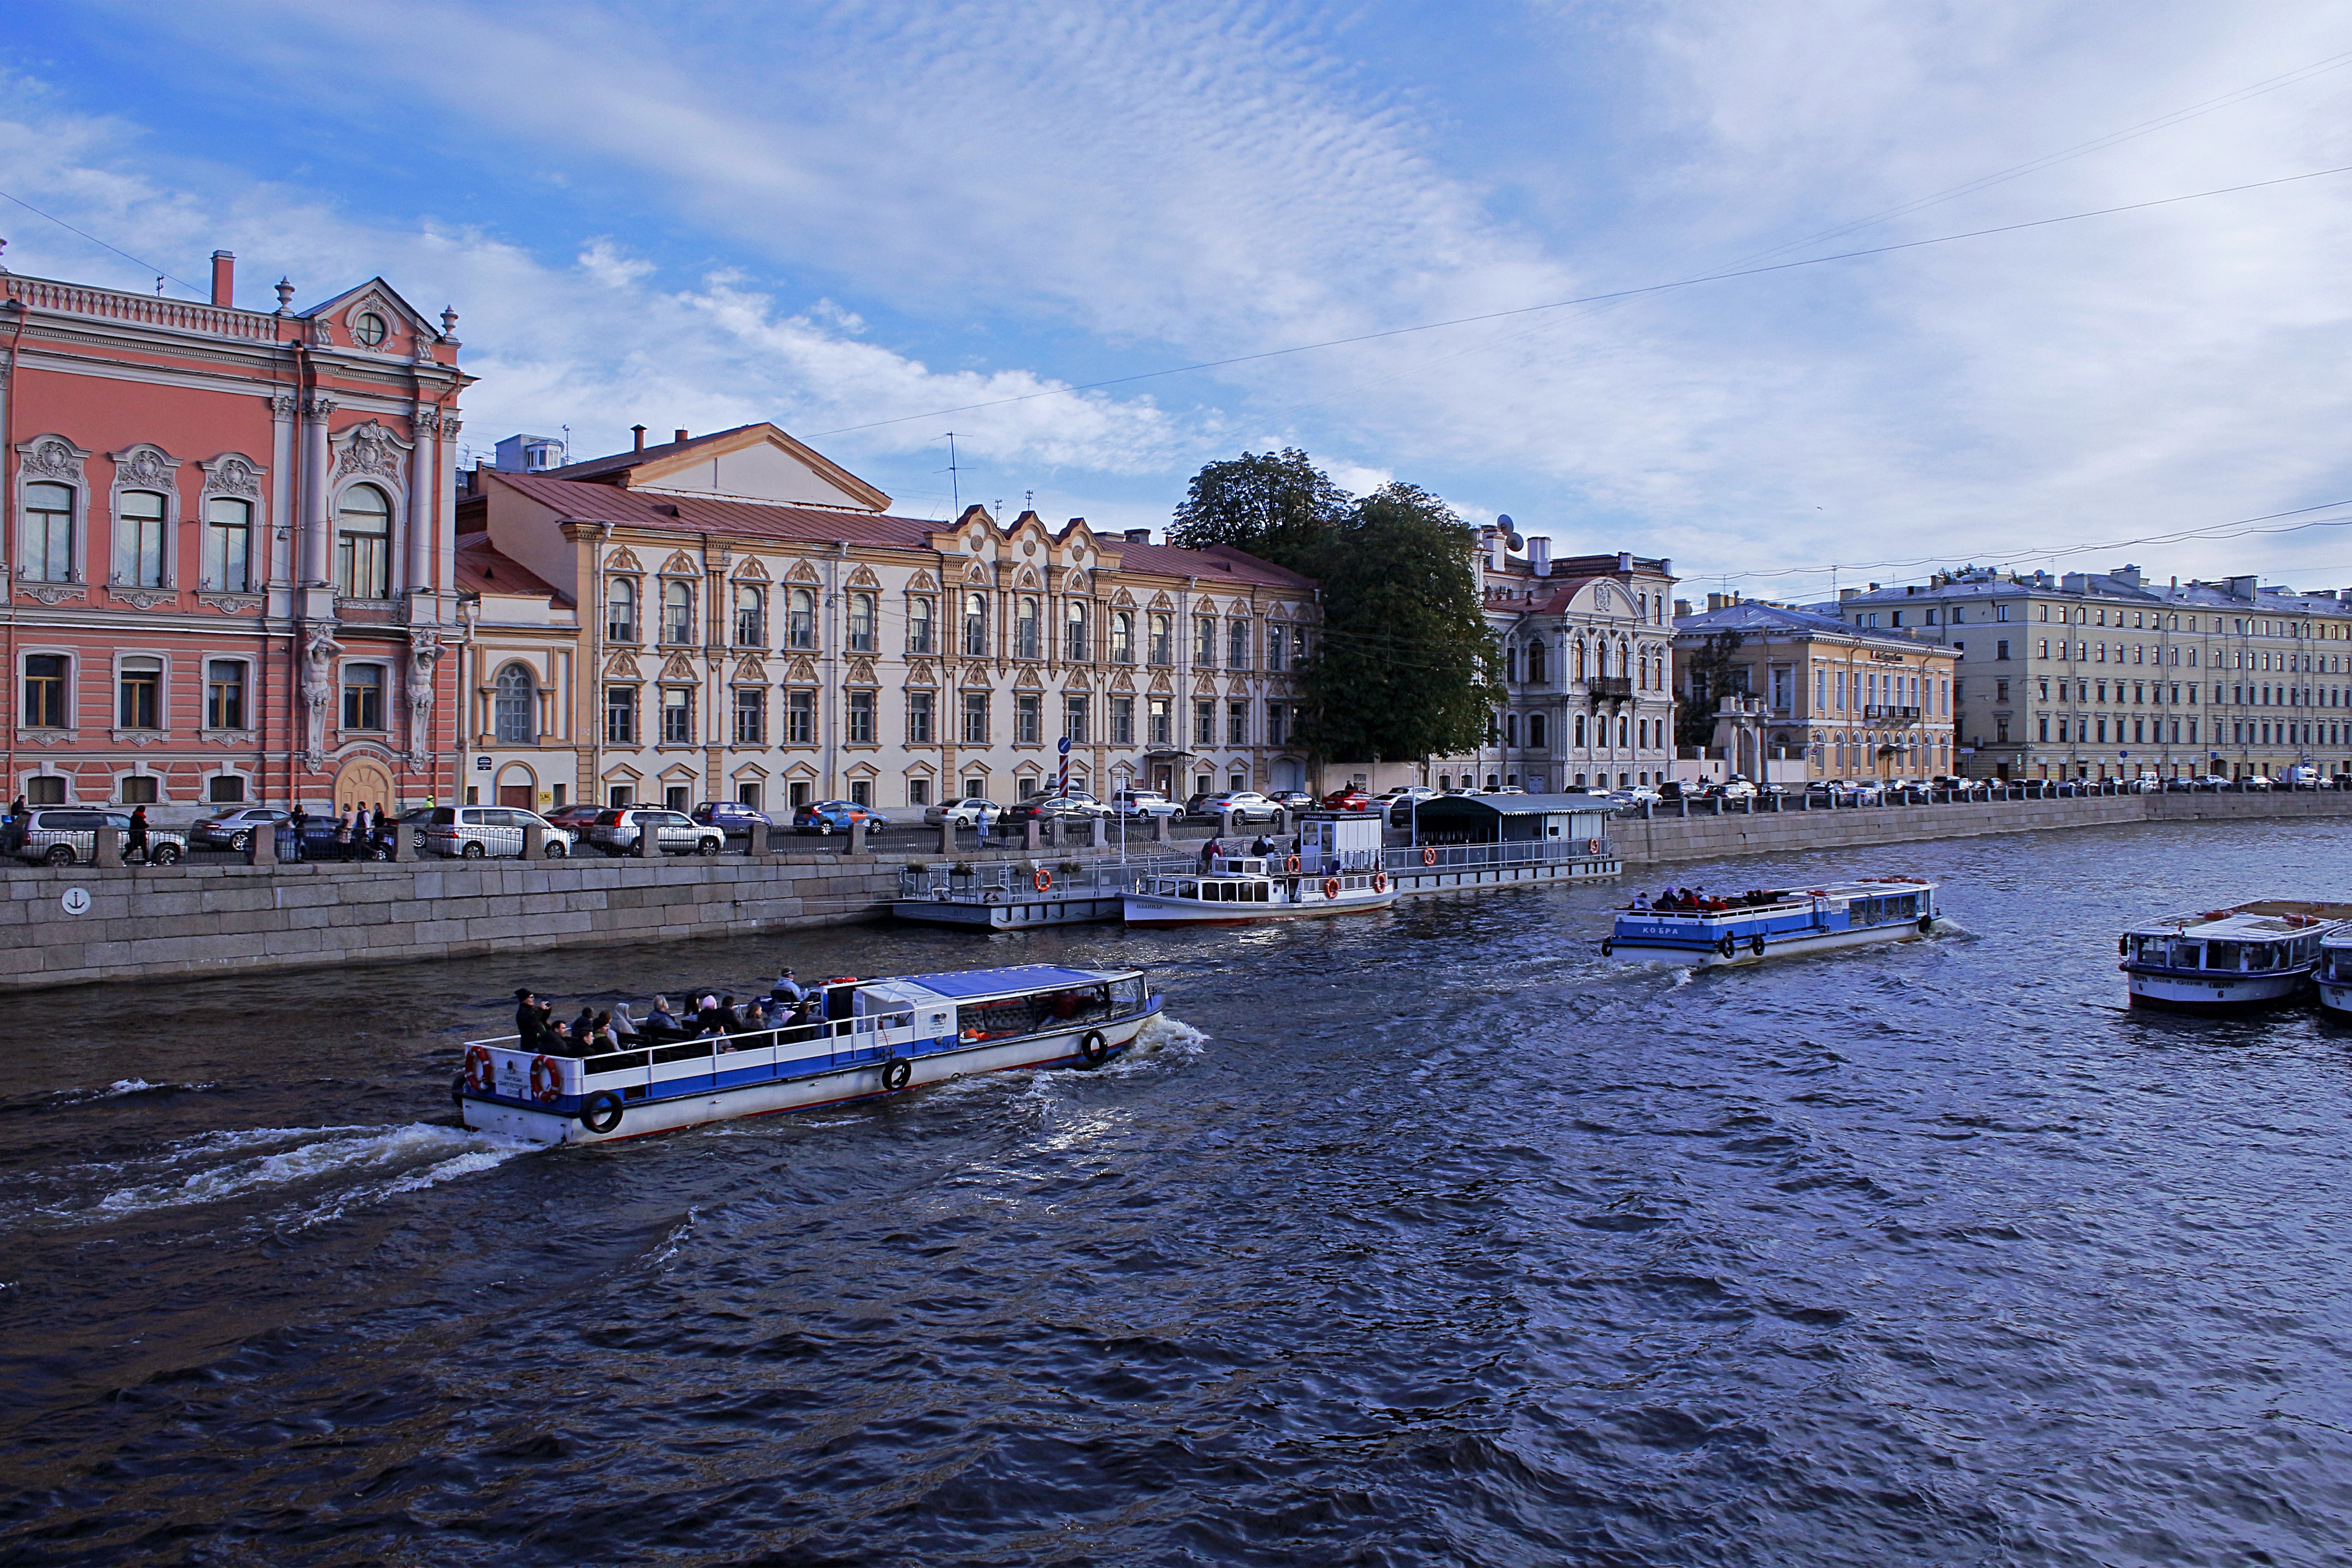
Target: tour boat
[(2229, 960), (1775, 923), (877, 1037), (1249, 891), (2335, 974)]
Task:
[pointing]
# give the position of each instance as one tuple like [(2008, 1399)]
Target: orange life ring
[(1380, 882), (1291, 865), (1044, 880), (1592, 846), (1429, 854), (479, 1073), (549, 1086), (1330, 887)]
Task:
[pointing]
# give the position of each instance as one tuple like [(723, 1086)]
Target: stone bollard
[(1281, 827), (1160, 820), (107, 850), (1051, 835), (534, 841), (396, 845), (1646, 814), (1031, 838), (1224, 824), (648, 845), (1102, 834), (858, 837), (262, 848), (946, 837)]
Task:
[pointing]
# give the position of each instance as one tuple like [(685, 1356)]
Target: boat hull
[(1744, 953), (639, 1119), (2189, 992), (2336, 996), (1144, 910)]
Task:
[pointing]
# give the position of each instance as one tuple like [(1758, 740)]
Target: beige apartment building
[(759, 627), (1853, 703), (2100, 675)]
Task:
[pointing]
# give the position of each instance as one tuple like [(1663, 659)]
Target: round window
[(370, 329)]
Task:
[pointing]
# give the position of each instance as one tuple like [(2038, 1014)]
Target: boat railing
[(1012, 881), (1465, 857), (702, 1062)]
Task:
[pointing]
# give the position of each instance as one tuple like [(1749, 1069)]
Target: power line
[(1592, 299), (159, 272)]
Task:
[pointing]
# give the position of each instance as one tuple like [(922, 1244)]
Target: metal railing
[(1473, 857)]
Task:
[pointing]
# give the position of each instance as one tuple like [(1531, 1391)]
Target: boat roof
[(972, 985), (1440, 805), (1860, 887), (2265, 920)]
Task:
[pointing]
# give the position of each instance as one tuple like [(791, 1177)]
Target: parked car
[(1293, 800), (2257, 781), (1247, 806), (964, 813), (1076, 805), (2302, 776), (734, 818), (825, 818), (1142, 805), (232, 829), (575, 819), (1349, 799), (2145, 784), (2211, 782), (68, 835), (471, 833), (616, 830)]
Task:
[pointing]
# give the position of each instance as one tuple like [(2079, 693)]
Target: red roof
[(597, 503), (484, 569)]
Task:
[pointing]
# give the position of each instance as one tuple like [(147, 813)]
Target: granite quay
[(69, 925)]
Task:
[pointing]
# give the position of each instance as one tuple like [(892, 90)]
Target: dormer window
[(370, 330)]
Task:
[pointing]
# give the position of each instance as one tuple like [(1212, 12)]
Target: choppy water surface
[(1418, 1238)]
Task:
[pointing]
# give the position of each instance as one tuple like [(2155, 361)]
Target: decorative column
[(423, 490), (319, 650), (278, 560), (316, 524), (424, 652)]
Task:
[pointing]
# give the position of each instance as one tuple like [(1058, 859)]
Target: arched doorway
[(517, 788), (363, 782)]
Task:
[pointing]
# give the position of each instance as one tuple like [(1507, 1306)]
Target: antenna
[(1028, 501), (567, 443), (955, 487)]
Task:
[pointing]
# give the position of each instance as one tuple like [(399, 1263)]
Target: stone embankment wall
[(171, 921)]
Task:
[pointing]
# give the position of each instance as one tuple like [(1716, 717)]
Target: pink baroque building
[(230, 566)]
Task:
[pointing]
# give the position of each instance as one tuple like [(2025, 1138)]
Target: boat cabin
[(2273, 938)]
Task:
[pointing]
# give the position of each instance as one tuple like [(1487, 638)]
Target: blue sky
[(833, 216)]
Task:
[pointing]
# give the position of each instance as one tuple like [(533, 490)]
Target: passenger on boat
[(730, 1020), (1208, 854), (661, 1020), (624, 1027), (1641, 901), (585, 1024), (531, 1018), (1261, 846), (786, 990)]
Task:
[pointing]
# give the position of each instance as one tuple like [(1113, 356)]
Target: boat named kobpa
[(1773, 923)]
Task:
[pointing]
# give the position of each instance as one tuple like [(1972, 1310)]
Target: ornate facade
[(229, 572), (756, 626)]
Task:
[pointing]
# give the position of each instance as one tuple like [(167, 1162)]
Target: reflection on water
[(1422, 1238)]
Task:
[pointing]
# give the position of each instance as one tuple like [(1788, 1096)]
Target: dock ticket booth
[(1344, 841)]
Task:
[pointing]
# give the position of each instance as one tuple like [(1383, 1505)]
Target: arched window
[(1579, 733), (975, 625), (139, 539), (1077, 645), (229, 544), (514, 705), (918, 625), (48, 533), (750, 615), (1511, 662), (861, 623), (677, 612), (621, 611), (1536, 671), (1122, 637), (800, 630), (363, 544), (1025, 628)]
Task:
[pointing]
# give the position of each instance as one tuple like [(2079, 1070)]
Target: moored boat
[(2248, 956), (2334, 973), (1773, 923), (876, 1037), (1249, 891)]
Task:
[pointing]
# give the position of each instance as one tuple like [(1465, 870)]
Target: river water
[(1418, 1238)]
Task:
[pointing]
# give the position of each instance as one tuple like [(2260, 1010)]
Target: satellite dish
[(1503, 521)]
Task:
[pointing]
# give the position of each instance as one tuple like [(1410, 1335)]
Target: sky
[(859, 221)]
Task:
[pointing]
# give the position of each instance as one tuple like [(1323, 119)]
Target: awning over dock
[(1510, 819)]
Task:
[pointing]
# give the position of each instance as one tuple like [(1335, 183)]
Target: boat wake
[(333, 1168), (1161, 1040)]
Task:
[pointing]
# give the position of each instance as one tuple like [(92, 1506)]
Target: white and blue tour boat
[(1248, 889), (2248, 956), (1773, 923), (2335, 974), (876, 1037)]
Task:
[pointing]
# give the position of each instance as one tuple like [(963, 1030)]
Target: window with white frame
[(363, 544), (225, 694), (1078, 639), (48, 533), (861, 718), (514, 707), (46, 685), (861, 619), (363, 696), (677, 612), (800, 631), (750, 615), (918, 625), (751, 715), (229, 544), (1028, 719), (621, 611), (139, 688), (139, 538), (677, 716)]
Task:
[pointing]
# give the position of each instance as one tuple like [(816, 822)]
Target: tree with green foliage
[(1711, 675), (1406, 665)]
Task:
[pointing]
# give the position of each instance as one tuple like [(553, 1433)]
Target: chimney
[(1846, 593), (1539, 556), (2126, 574), (1624, 561), (1138, 536), (639, 432), (680, 437), (1715, 602), (1682, 609), (225, 277)]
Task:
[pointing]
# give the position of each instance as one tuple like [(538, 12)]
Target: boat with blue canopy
[(1706, 930), (871, 1038)]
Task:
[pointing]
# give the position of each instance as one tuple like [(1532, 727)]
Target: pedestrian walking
[(134, 843), (300, 822), (344, 836), (14, 836), (981, 817), (1208, 854)]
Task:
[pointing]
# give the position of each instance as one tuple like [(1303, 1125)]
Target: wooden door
[(365, 782)]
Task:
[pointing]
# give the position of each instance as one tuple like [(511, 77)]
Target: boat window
[(1188, 889), (2221, 956)]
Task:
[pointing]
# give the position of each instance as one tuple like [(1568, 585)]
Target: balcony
[(1885, 715), (1603, 688)]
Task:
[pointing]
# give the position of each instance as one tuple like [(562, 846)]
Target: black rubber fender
[(1607, 946), (1927, 923), (600, 1112), (457, 1091), (1755, 944), (1728, 946), (896, 1073), (1094, 1048)]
